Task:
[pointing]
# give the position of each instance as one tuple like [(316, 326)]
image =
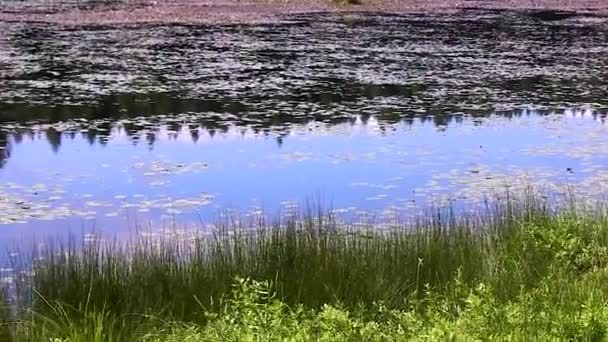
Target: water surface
[(116, 127)]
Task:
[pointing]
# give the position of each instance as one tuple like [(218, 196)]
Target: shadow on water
[(5, 148)]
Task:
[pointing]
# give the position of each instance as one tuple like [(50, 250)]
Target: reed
[(313, 261)]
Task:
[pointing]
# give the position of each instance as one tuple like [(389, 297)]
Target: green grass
[(516, 271)]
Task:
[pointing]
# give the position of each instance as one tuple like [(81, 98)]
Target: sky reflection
[(55, 183)]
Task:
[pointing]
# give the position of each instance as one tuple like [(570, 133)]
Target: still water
[(111, 128)]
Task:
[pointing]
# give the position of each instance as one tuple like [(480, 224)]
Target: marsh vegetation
[(519, 269)]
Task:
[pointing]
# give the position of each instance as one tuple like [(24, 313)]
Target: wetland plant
[(518, 270)]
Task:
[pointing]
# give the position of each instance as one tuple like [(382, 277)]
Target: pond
[(117, 127)]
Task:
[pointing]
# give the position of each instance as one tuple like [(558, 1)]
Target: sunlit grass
[(512, 270)]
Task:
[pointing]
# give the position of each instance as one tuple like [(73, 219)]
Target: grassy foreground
[(518, 271)]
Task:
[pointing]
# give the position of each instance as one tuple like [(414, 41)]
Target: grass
[(518, 271)]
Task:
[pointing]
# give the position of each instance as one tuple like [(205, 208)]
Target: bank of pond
[(519, 269)]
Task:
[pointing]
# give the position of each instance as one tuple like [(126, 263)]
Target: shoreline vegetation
[(518, 270), (270, 11)]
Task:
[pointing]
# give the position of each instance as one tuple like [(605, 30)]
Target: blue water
[(371, 166)]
